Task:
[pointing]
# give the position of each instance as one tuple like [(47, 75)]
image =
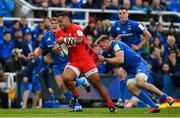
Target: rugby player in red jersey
[(81, 58)]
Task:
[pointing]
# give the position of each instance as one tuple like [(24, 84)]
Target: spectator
[(170, 46), (90, 5), (90, 29), (55, 3), (107, 26), (14, 27), (157, 6), (161, 32), (3, 29), (174, 64), (156, 44), (106, 5), (6, 47), (19, 43), (99, 27), (139, 6), (29, 43), (156, 60), (6, 9), (90, 40), (173, 5), (40, 29), (126, 4), (76, 4), (172, 32), (24, 26), (45, 3), (114, 6)]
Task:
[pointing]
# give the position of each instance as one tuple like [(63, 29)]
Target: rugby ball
[(64, 50)]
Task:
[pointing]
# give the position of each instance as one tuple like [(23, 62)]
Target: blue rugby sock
[(68, 95), (163, 97), (79, 81), (146, 99), (122, 90)]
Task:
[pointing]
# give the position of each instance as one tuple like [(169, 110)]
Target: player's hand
[(31, 56), (60, 40), (51, 91), (101, 58), (135, 47), (57, 48), (122, 74)]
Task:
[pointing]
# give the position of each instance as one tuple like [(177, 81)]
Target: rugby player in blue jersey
[(136, 68), (59, 62), (134, 35), (31, 77)]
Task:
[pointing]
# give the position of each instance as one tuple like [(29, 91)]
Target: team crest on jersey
[(141, 27), (129, 27)]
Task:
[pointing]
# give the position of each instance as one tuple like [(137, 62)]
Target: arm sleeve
[(138, 28)]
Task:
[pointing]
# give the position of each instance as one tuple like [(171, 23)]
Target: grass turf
[(88, 112)]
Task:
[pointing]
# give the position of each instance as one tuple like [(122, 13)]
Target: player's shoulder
[(75, 27), (116, 23)]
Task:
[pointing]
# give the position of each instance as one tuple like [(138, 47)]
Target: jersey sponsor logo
[(128, 34), (141, 27), (116, 48), (79, 32)]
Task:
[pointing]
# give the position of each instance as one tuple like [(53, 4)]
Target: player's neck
[(123, 22)]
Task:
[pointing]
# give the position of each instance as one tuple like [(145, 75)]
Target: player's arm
[(36, 53), (118, 59), (145, 40)]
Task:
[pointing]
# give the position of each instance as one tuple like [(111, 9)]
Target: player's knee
[(141, 78), (131, 83)]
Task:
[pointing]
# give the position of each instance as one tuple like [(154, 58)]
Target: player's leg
[(94, 78), (58, 69), (83, 81), (121, 73), (37, 93), (134, 89), (28, 88), (141, 81), (151, 88)]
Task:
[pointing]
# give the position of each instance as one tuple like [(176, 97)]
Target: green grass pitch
[(88, 112)]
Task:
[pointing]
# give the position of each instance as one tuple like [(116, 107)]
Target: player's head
[(53, 24), (123, 14), (104, 42), (64, 20)]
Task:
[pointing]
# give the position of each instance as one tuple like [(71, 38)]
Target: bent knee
[(131, 86), (141, 78)]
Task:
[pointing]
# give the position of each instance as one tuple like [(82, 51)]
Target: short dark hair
[(67, 14), (7, 32), (122, 8), (101, 38)]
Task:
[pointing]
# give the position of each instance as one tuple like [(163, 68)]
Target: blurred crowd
[(140, 5)]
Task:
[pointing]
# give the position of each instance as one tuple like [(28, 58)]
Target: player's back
[(131, 58), (78, 52)]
